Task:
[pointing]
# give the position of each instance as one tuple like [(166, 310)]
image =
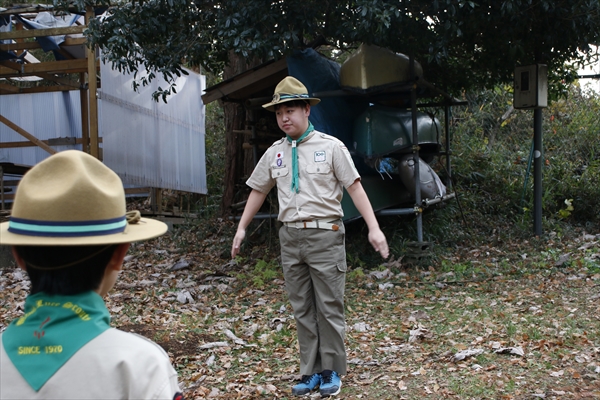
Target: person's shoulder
[(331, 138), (132, 341), (277, 142), (327, 136)]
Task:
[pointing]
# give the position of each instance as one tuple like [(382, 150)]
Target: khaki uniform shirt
[(113, 365), (325, 168)]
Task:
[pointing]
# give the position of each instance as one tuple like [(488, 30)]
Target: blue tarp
[(46, 20), (333, 115), (6, 26)]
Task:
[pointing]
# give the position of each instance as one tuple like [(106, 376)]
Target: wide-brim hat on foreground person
[(290, 89), (73, 199)]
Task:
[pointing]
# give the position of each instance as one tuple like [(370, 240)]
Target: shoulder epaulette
[(326, 136), (277, 142), (333, 138)]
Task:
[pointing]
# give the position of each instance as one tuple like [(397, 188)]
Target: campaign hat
[(290, 89), (70, 199)]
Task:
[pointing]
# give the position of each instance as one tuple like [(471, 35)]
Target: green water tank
[(383, 131)]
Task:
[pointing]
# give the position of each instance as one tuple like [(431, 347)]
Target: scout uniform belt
[(313, 224)]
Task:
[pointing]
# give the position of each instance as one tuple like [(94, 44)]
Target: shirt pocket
[(318, 169), (278, 173)]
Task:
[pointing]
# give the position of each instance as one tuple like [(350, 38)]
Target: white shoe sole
[(333, 394)]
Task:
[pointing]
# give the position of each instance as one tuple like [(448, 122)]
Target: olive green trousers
[(314, 267)]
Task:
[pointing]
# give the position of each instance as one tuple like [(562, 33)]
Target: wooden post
[(92, 88), (85, 127), (2, 187), (159, 208), (19, 27)]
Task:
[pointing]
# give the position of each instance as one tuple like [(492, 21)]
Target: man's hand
[(363, 205), (237, 242), (254, 202), (379, 243)]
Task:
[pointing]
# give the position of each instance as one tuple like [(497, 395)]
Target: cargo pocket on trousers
[(341, 266)]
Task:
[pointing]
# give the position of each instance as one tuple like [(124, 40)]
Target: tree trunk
[(235, 119)]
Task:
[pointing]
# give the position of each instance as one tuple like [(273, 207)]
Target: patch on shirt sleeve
[(320, 156), (279, 159)]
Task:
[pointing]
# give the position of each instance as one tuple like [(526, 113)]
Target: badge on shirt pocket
[(320, 156), (279, 159)]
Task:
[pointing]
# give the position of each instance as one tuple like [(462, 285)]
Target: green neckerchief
[(52, 329), (295, 180)]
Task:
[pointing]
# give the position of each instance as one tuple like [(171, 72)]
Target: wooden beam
[(25, 10), (8, 197), (26, 134), (17, 67), (69, 41), (12, 65), (29, 33), (63, 81), (16, 145), (65, 54), (8, 88), (51, 67), (4, 89), (141, 190), (225, 88)]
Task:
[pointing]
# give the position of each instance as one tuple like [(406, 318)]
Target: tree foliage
[(461, 44)]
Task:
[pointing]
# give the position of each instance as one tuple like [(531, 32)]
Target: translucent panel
[(151, 143), (45, 116)]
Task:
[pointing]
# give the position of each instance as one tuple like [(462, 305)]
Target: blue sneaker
[(331, 384), (308, 383)]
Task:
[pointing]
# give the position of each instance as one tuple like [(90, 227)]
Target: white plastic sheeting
[(45, 116), (149, 143)]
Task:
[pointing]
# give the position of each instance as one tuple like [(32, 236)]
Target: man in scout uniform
[(70, 231), (310, 170)]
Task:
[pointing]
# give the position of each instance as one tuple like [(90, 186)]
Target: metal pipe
[(538, 158), (448, 166), (415, 143), (399, 211), (595, 76), (430, 202)]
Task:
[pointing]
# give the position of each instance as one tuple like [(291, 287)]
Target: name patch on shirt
[(320, 156)]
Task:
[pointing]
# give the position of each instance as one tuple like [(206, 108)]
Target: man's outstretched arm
[(255, 200), (363, 205)]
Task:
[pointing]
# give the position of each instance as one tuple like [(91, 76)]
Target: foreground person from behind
[(310, 170), (70, 231)]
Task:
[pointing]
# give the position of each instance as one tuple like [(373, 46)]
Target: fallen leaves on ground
[(485, 323)]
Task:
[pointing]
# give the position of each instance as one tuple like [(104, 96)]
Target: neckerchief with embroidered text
[(295, 180), (51, 331)]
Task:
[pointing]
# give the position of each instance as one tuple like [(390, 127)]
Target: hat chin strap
[(103, 249)]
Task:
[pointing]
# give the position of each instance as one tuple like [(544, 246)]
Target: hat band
[(292, 96), (67, 229)]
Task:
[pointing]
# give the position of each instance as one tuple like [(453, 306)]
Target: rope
[(133, 217)]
